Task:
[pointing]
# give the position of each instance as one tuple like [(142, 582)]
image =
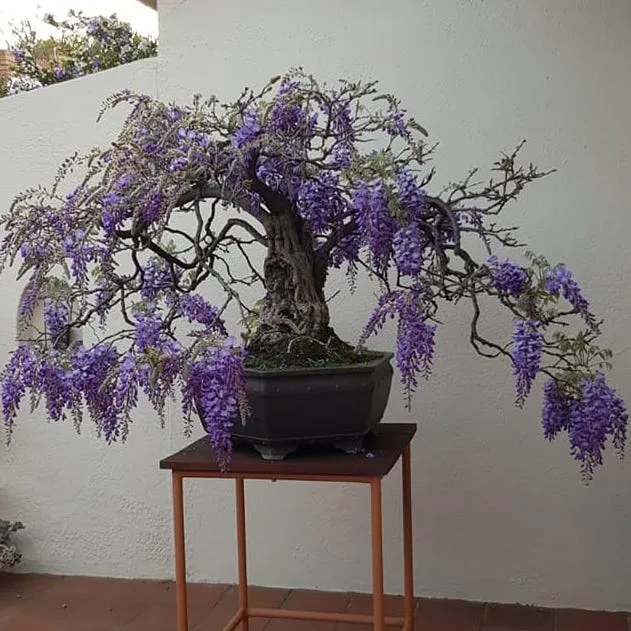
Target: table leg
[(242, 552), (377, 555), (408, 559), (180, 552)]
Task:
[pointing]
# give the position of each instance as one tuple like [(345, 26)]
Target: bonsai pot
[(335, 405)]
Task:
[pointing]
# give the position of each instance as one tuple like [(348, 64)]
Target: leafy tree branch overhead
[(79, 45), (317, 177)]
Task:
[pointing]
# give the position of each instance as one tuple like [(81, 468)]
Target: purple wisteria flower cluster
[(80, 45), (156, 244)]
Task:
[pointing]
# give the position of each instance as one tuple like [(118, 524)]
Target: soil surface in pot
[(324, 350)]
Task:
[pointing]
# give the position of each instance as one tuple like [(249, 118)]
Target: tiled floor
[(53, 603)]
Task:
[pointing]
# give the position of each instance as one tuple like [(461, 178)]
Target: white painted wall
[(500, 514), (88, 509)]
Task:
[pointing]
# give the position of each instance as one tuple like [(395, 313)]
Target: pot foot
[(351, 446), (268, 452)]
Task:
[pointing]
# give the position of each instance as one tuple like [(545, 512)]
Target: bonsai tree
[(80, 45), (159, 240)]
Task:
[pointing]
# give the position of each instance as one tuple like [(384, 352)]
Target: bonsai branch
[(156, 249), (232, 223)]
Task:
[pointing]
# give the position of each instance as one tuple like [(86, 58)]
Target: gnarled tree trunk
[(294, 303)]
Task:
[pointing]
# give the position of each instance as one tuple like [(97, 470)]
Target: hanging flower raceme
[(415, 339), (558, 280), (321, 203), (407, 244), (375, 222), (526, 357), (590, 416), (198, 310), (249, 130), (57, 321), (411, 196), (20, 374), (508, 276), (215, 387)]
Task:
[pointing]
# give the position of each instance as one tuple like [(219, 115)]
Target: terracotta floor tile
[(311, 601), (228, 605), (8, 614), (362, 603), (83, 604), (448, 615), (33, 619), (115, 602), (517, 618), (16, 592), (158, 613), (57, 603), (24, 586), (34, 604), (576, 620)]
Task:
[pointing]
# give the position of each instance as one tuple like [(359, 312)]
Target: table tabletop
[(381, 450)]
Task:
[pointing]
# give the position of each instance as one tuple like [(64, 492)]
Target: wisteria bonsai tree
[(79, 45), (156, 243)]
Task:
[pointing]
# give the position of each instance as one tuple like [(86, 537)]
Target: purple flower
[(248, 131), (287, 86), (196, 309), (57, 389), (18, 375), (19, 55), (178, 164), (94, 26), (94, 375), (408, 246), (59, 73), (374, 221), (56, 320), (153, 208), (598, 414), (156, 278), (150, 147), (415, 348), (148, 327), (559, 280), (342, 121), (415, 341), (174, 114), (320, 201), (79, 250), (126, 390), (255, 201), (508, 276), (286, 117), (527, 350), (557, 409), (411, 197), (396, 124), (216, 386), (112, 198), (341, 155)]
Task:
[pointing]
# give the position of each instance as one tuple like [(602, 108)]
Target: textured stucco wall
[(500, 514)]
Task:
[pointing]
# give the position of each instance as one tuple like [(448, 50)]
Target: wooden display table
[(390, 442)]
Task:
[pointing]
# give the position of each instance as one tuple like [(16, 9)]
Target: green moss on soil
[(289, 352)]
